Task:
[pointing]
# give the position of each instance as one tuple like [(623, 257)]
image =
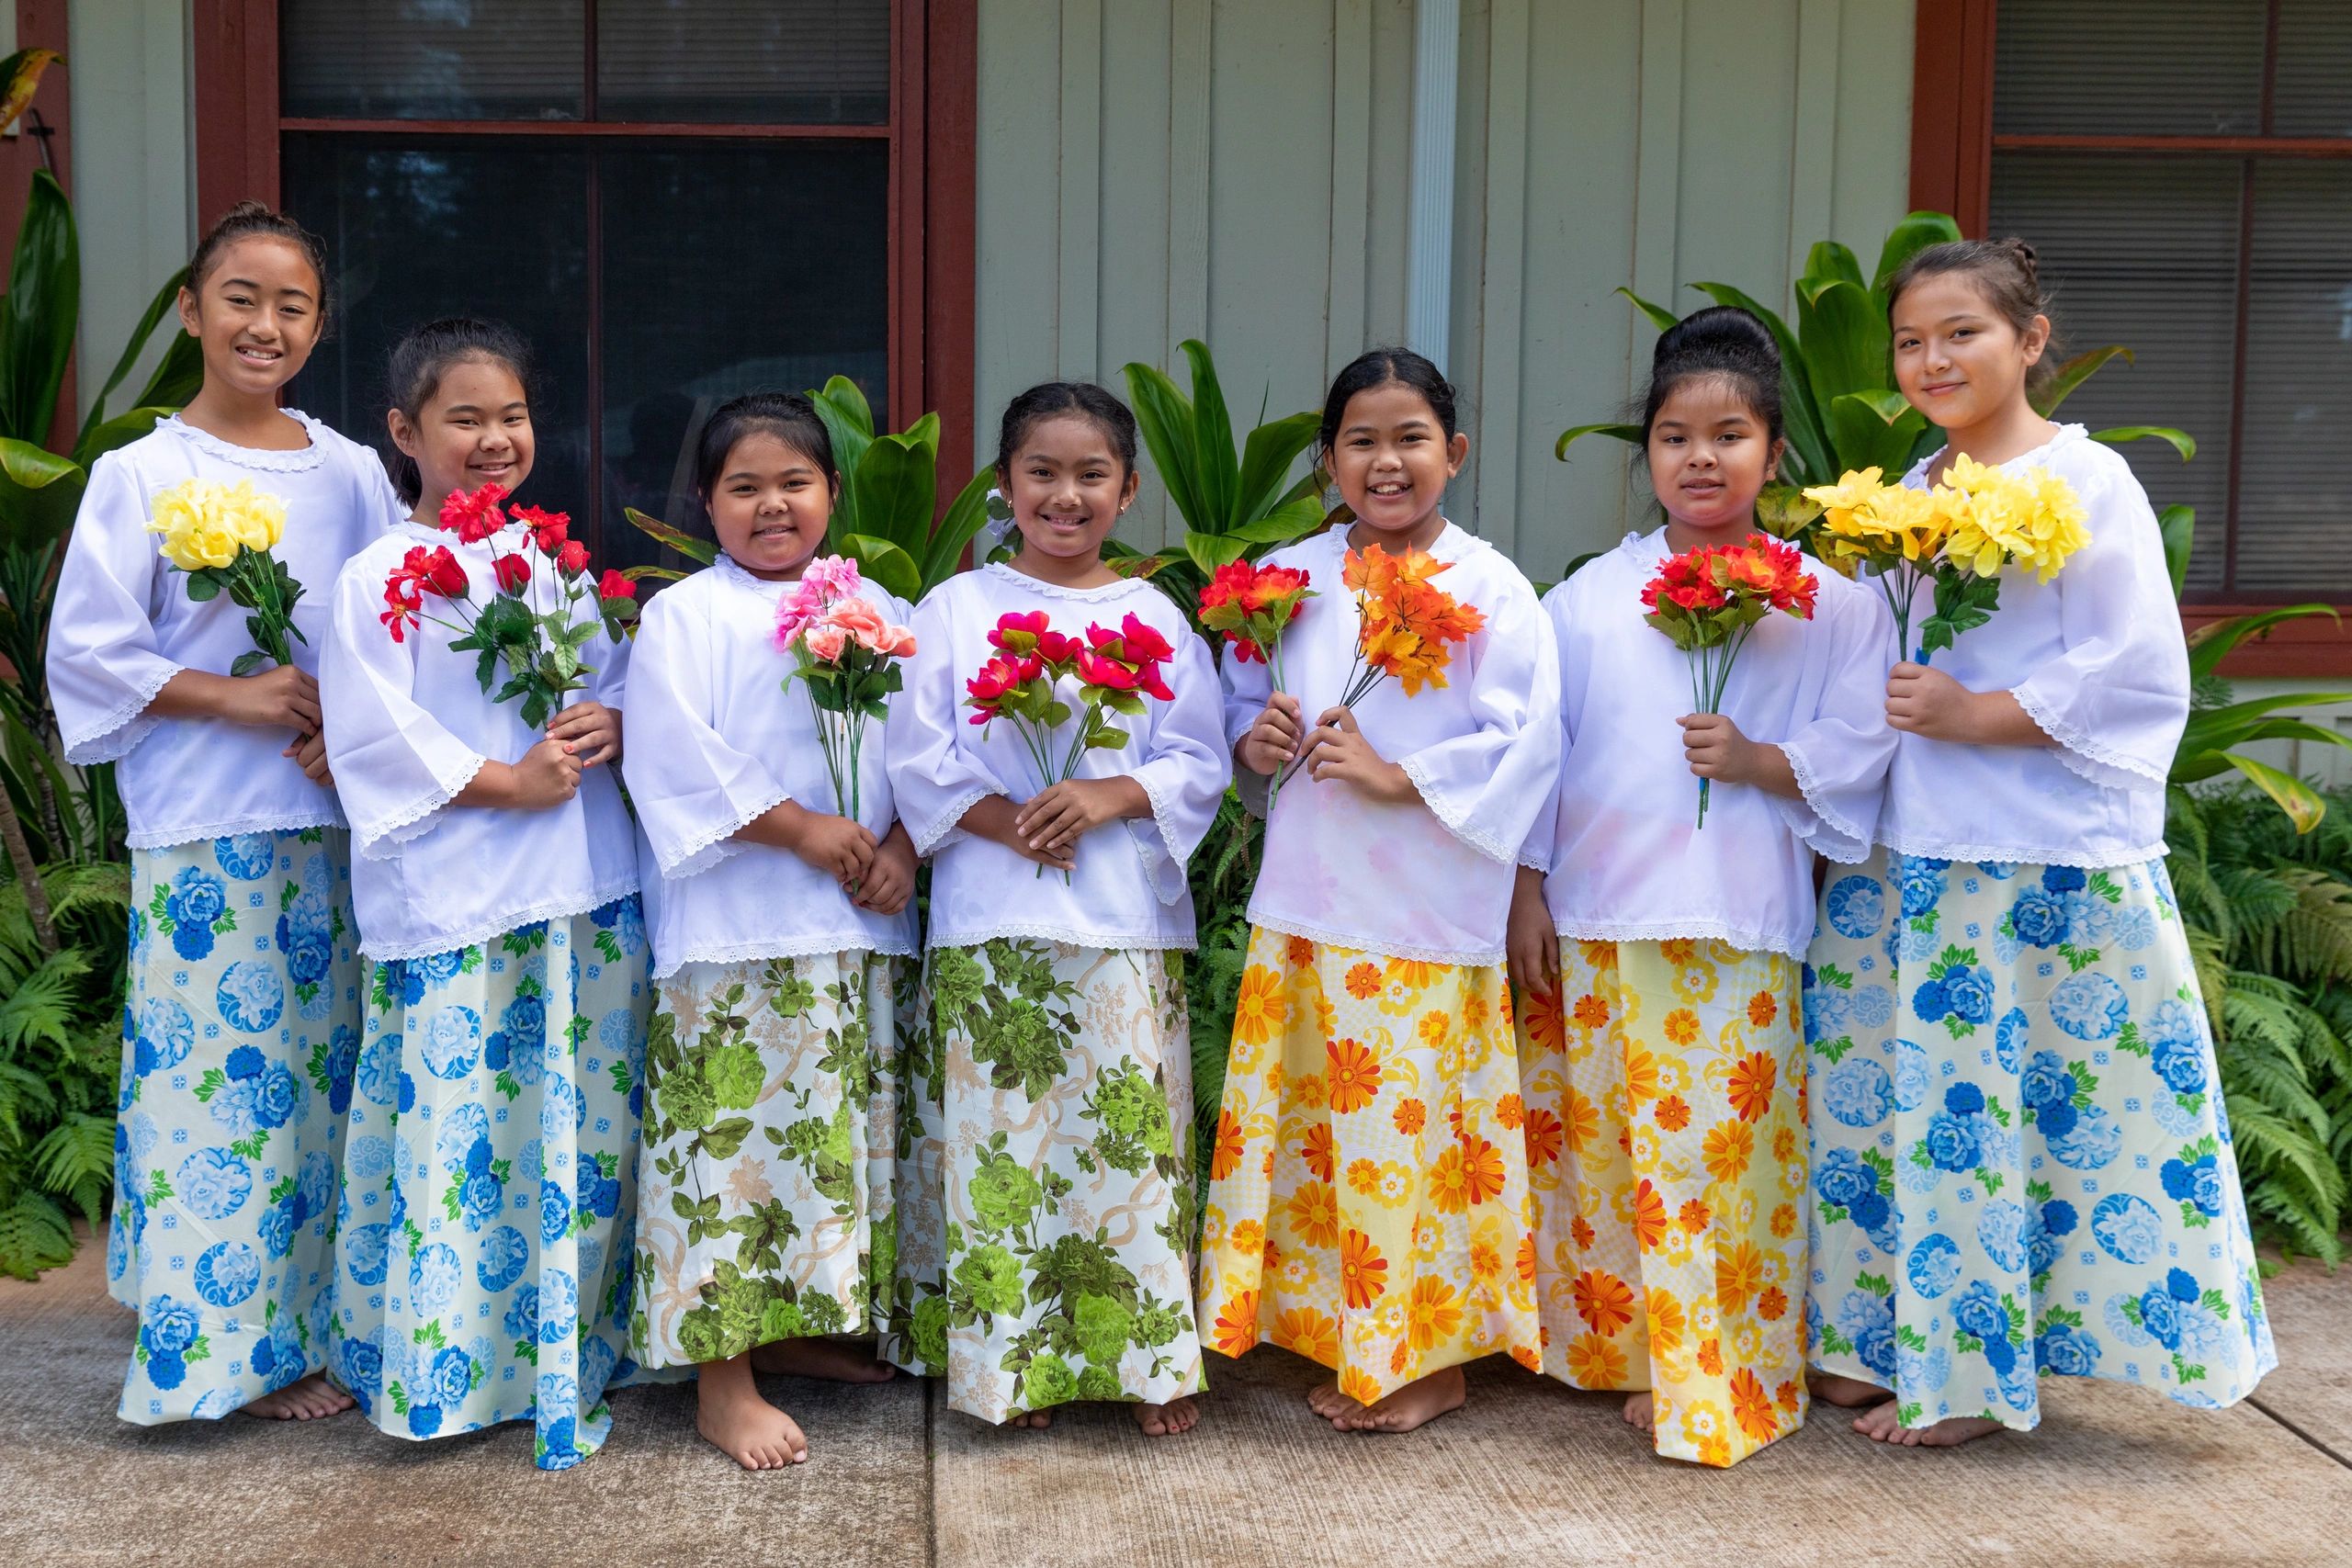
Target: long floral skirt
[(2020, 1160), (1046, 1179), (1368, 1204), (489, 1184), (764, 1188), (1665, 1086), (239, 1037)]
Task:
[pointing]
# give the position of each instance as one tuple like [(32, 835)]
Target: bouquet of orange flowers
[(1707, 601), (1409, 627), (1253, 605)]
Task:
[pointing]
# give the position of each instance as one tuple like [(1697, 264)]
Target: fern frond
[(34, 1235)]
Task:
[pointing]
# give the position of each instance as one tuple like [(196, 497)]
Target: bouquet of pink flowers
[(848, 656)]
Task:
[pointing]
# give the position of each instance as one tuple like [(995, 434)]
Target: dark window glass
[(2294, 497), (434, 59), (2152, 68), (704, 270), (744, 61)]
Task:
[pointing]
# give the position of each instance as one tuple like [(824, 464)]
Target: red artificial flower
[(1141, 640), (512, 571), (1097, 669), (1272, 585), (405, 604), (572, 559), (612, 585), (1021, 634), (548, 529), (476, 516), (420, 572), (998, 679), (1230, 586)]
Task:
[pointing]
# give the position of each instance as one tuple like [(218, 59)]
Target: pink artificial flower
[(824, 641), (858, 620), (834, 578)]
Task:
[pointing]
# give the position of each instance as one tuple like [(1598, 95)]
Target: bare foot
[(1882, 1423), (1641, 1411), (1854, 1393), (739, 1423), (1424, 1399), (1030, 1420), (840, 1361), (1325, 1400), (305, 1400), (1167, 1420)]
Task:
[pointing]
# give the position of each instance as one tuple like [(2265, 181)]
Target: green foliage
[(2268, 910), (1235, 505), (883, 519)]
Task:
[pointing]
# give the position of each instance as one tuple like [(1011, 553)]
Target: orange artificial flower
[(1435, 1317), (1762, 1009), (1364, 1273), (1649, 1216), (1363, 981), (1752, 1077), (1727, 1149), (1237, 1324), (1542, 1134), (1355, 1075), (1751, 1406), (1305, 1331), (1603, 1301), (1316, 1151), (1226, 1156), (1314, 1214), (1409, 1117), (1673, 1113)]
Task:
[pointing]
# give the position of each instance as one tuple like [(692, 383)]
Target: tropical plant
[(1235, 505), (1838, 398), (883, 518), (64, 908)]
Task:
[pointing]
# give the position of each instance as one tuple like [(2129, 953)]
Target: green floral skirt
[(764, 1184), (1045, 1180)]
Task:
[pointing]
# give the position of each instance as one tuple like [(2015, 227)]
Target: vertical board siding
[(1239, 172)]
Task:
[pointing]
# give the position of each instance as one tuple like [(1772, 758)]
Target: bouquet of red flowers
[(541, 649), (1253, 605), (1115, 670), (1708, 600)]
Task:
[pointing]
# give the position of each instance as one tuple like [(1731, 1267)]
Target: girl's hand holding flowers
[(1715, 748), (840, 848), (1927, 702), (548, 775), (993, 817), (1274, 740), (1056, 817), (1336, 749), (593, 730), (285, 697)]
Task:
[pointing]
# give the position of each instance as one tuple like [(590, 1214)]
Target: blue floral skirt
[(489, 1184), (239, 1037), (2021, 1164)]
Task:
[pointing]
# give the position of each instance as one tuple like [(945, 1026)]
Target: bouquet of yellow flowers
[(1959, 535), (220, 535)]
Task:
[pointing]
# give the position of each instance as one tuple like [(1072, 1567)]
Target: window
[(675, 200)]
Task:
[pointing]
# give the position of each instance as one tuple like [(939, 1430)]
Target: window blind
[(2150, 68), (746, 62), (2313, 96), (2294, 497), (433, 58)]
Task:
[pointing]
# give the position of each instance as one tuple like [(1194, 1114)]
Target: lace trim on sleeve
[(1457, 822), (946, 827), (115, 736), (415, 819), (1177, 858), (715, 844), (1832, 834), (2083, 754)]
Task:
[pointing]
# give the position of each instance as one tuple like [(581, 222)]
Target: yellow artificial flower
[(206, 523)]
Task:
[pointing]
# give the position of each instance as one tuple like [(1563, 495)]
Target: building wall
[(1237, 170)]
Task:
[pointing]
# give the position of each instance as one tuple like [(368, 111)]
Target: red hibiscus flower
[(476, 516), (513, 572)]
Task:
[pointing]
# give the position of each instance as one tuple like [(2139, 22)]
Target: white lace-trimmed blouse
[(1129, 888), (408, 727), (715, 739), (1624, 857), (1432, 879), (124, 625), (2095, 657)]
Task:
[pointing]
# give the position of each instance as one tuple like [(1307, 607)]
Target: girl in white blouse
[(483, 1248), (242, 1025), (783, 945), (2021, 1164), (1657, 961), (1044, 1215), (1368, 1194)]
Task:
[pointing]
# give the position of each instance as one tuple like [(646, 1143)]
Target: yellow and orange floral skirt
[(1666, 1147), (1368, 1202)]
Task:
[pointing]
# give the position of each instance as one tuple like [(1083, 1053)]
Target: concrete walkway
[(1530, 1474)]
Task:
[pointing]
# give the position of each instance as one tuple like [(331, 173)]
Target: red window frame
[(1952, 143), (934, 112)]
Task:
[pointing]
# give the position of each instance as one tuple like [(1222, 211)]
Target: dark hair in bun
[(1722, 342), (2005, 273)]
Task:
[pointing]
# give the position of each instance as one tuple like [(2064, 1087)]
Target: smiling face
[(1958, 359), (256, 314), (1391, 460), (770, 506), (1067, 487), (1710, 453), (474, 430)]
